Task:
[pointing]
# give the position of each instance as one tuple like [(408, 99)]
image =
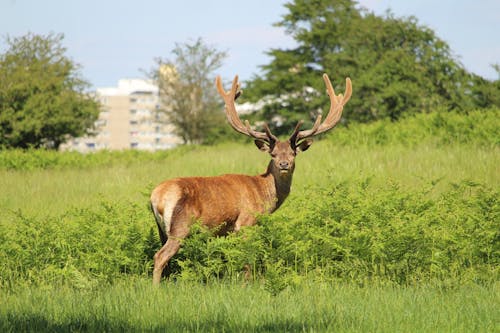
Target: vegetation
[(477, 128), (186, 83), (382, 217), (398, 67), (390, 226), (42, 95), (186, 307)]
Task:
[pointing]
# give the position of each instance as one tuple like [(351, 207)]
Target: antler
[(232, 115), (333, 117)]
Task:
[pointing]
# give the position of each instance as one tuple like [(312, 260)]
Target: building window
[(91, 145), (134, 145)]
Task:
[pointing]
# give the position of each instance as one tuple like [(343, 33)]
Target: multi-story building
[(128, 119)]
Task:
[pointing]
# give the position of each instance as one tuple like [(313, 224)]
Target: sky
[(112, 39)]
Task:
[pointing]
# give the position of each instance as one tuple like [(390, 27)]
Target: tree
[(42, 95), (187, 91), (397, 67)]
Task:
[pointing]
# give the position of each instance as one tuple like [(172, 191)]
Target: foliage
[(370, 225), (35, 159), (478, 128), (42, 95), (397, 67), (350, 231), (354, 232), (80, 248), (187, 91)]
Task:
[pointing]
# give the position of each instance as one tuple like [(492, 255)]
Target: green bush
[(355, 232), (350, 232), (478, 128), (80, 248), (34, 159)]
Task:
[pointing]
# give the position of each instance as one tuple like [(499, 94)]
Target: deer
[(226, 203)]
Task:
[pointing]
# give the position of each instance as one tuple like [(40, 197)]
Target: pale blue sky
[(116, 39)]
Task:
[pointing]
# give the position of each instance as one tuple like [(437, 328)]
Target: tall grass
[(182, 307), (44, 191)]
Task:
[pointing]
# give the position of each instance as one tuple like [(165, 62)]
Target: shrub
[(355, 231), (479, 128)]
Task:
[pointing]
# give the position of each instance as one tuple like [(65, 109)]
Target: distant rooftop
[(128, 87)]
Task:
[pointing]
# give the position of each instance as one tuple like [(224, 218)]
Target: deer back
[(212, 200)]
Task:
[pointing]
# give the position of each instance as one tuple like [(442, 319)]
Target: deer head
[(283, 152)]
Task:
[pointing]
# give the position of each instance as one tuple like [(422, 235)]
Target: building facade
[(128, 120)]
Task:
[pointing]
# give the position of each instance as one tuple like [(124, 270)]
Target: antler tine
[(229, 97), (296, 136), (337, 104), (268, 136), (271, 136), (334, 114), (232, 116)]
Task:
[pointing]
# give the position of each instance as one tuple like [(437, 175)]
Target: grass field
[(53, 191), (179, 307), (389, 228)]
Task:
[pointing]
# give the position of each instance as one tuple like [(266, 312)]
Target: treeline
[(478, 128), (398, 68)]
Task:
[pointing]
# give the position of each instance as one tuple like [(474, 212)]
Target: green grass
[(226, 307), (52, 191)]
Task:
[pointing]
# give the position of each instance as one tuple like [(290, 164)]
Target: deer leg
[(162, 257), (178, 231), (163, 236)]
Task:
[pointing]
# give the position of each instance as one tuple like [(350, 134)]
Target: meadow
[(389, 227)]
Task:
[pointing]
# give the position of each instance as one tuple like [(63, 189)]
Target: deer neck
[(279, 182)]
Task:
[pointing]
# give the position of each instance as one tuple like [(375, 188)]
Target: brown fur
[(229, 202)]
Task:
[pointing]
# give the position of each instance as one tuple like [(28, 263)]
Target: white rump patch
[(169, 198)]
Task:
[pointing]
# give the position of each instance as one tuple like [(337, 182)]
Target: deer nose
[(284, 165)]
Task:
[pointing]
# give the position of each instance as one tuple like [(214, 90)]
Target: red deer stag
[(229, 202)]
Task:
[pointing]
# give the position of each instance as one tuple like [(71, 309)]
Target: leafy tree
[(42, 96), (187, 91), (397, 67)]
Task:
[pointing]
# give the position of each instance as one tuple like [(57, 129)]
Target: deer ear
[(263, 146), (304, 145)]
